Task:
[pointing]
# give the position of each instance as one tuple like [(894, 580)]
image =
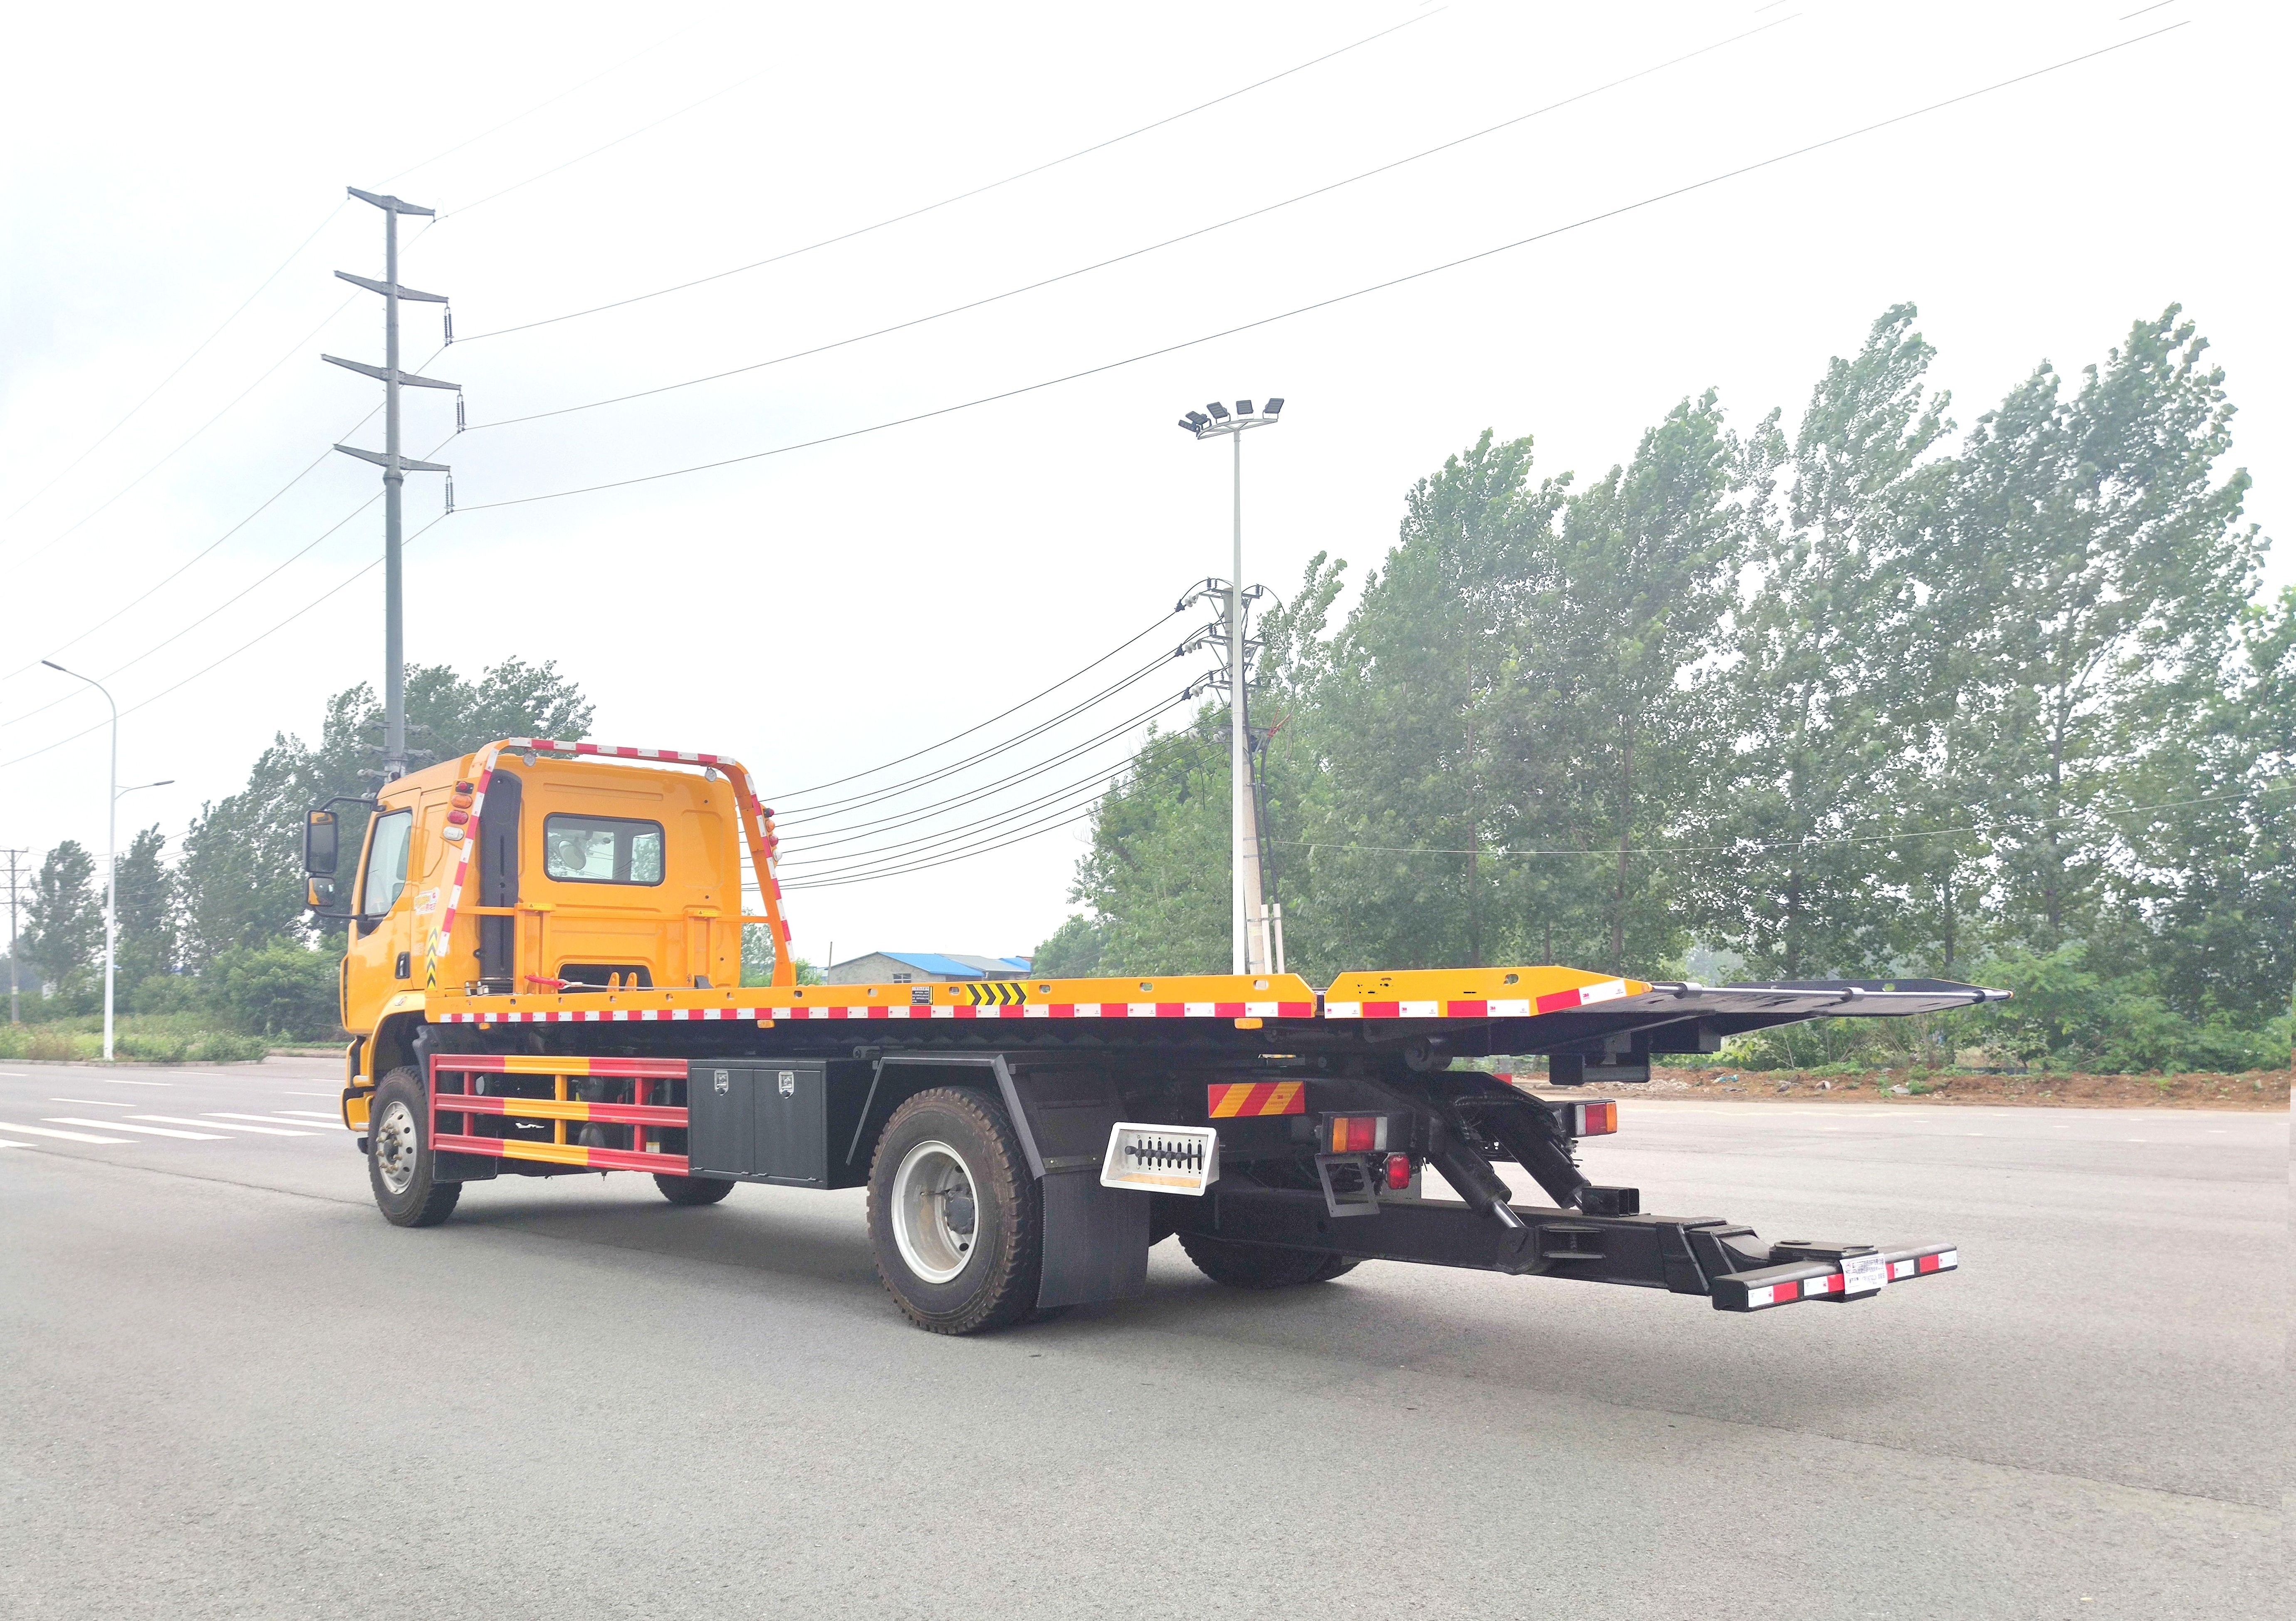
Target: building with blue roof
[(921, 967)]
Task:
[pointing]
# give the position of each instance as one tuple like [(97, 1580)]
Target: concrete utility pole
[(15, 1013), (111, 853), (395, 467), (1244, 842)]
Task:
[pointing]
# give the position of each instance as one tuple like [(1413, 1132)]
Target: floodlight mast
[(1243, 852)]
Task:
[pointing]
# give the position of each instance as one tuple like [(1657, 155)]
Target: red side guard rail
[(597, 1114)]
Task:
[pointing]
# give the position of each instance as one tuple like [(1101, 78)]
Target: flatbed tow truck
[(542, 978)]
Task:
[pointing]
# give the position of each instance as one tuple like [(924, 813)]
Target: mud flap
[(1095, 1240)]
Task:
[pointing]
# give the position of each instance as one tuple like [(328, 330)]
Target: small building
[(921, 967)]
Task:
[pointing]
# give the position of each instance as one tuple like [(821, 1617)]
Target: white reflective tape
[(1499, 1010), (1042, 1010), (1144, 1011), (1415, 1010), (1603, 993), (1342, 1011), (1946, 1262), (1766, 1294)]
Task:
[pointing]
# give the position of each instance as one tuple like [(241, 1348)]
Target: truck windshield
[(601, 850), (386, 863)]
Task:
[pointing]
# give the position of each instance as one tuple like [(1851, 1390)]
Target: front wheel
[(955, 1218), (400, 1166)]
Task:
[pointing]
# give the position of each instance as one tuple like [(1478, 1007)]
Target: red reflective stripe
[(1928, 1263), (1380, 1010), (1229, 1010), (1292, 1010), (1556, 1001), (1788, 1290), (1458, 1010)]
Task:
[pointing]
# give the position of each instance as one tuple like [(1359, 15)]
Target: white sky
[(821, 612)]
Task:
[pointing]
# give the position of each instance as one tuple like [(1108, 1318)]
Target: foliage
[(282, 989), (148, 1040), (1883, 699), (1072, 950), (758, 958), (63, 938)]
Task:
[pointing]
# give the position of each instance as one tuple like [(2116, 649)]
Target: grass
[(150, 1039)]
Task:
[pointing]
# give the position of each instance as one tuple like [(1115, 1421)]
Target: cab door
[(381, 959)]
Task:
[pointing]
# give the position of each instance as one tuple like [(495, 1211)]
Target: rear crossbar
[(455, 1110), (1686, 1255)]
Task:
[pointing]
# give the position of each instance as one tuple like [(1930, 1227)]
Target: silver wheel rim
[(935, 1212), (394, 1147)]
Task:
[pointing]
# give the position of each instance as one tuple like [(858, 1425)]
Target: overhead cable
[(1132, 253), (1083, 152), (1326, 303), (955, 736)]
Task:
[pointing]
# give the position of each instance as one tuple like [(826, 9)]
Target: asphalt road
[(230, 1389)]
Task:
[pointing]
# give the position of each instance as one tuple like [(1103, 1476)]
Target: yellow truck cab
[(542, 976)]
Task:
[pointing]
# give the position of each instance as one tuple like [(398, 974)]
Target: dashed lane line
[(68, 1136), (271, 1120), (329, 1115), (100, 1103), (141, 1131), (225, 1125)]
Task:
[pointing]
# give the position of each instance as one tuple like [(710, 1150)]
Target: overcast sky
[(823, 611)]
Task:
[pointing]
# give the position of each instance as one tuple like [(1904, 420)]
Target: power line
[(807, 813), (1133, 254), (840, 781), (1327, 303), (975, 796), (204, 552), (199, 350), (901, 850), (966, 855), (977, 191)]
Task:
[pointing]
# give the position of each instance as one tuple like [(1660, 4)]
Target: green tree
[(1819, 698), (64, 928), (1073, 951), (280, 988), (146, 909)]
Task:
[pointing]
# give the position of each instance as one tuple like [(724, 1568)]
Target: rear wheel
[(400, 1166), (1261, 1266), (693, 1189), (954, 1216)]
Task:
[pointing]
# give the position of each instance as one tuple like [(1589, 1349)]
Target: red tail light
[(1398, 1171), (1358, 1133)]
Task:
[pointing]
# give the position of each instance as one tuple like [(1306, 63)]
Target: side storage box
[(769, 1119)]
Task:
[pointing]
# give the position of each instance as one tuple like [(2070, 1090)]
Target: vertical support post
[(1238, 744), (111, 881), (15, 1011), (394, 483)]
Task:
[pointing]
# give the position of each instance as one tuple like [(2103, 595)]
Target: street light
[(110, 850), (1244, 896)]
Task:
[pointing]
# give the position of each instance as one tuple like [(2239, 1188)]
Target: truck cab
[(559, 875)]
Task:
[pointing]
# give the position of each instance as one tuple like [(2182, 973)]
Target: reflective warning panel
[(1161, 1159), (1248, 1099)]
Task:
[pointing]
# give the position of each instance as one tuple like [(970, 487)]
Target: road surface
[(232, 1389)]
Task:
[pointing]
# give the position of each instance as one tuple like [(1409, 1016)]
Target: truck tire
[(955, 1218), (693, 1189), (1261, 1266), (399, 1165)]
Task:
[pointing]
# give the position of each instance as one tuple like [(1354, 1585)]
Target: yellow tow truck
[(542, 976)]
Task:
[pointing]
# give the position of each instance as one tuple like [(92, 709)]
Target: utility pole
[(395, 467), (15, 1012), (1243, 841)]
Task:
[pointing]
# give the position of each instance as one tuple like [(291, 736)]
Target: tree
[(1821, 706), (1071, 951), (63, 932), (146, 909), (240, 879)]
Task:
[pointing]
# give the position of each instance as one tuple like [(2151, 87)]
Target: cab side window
[(601, 850), (385, 864)]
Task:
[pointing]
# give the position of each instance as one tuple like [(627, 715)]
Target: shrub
[(279, 990)]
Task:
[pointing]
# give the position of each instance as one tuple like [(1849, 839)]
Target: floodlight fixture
[(1272, 406), (1243, 407), (1218, 411)]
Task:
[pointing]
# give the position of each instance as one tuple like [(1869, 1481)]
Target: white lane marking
[(1247, 716), (271, 1120), (336, 1114), (117, 1080), (67, 1136), (105, 1103), (224, 1126), (141, 1131), (5, 1143)]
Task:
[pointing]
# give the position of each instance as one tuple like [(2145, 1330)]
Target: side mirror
[(321, 838), (322, 894)]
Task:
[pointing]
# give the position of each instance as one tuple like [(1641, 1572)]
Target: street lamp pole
[(1244, 855)]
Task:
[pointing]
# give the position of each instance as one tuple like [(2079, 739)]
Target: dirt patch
[(2265, 1089)]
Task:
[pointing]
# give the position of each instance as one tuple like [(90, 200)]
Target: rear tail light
[(1358, 1133), (1596, 1117), (1398, 1172)]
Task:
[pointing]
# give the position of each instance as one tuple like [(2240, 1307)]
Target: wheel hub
[(394, 1147), (936, 1216)]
